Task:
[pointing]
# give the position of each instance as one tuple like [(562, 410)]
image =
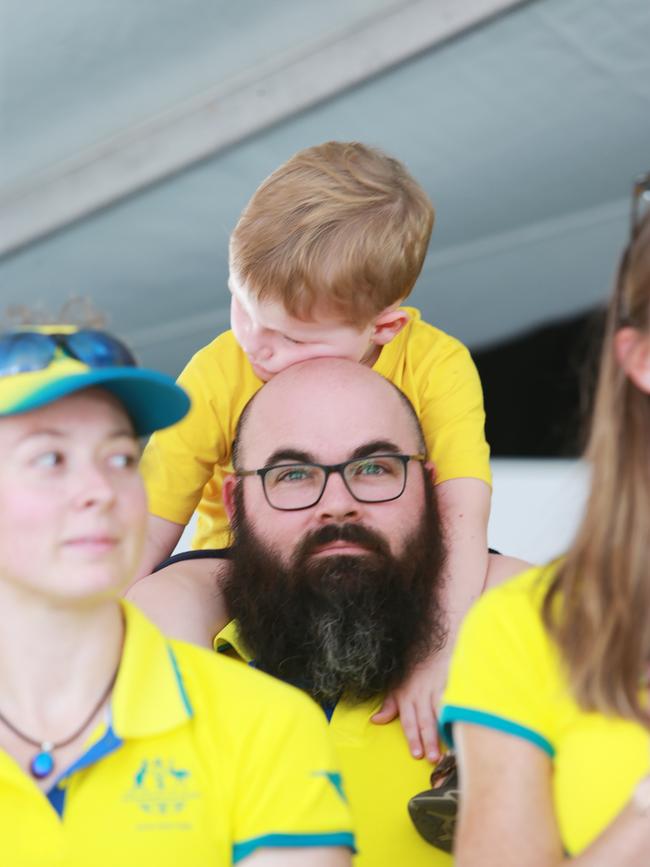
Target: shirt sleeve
[(178, 462), (503, 673), (290, 791), (451, 412)]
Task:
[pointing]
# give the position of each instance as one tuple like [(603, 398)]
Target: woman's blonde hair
[(76, 310), (341, 229), (598, 606)]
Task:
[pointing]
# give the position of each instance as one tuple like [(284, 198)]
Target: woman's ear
[(632, 349), (388, 324), (228, 496)]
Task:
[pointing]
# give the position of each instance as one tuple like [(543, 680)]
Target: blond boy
[(321, 259)]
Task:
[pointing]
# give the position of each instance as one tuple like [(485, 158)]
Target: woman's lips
[(91, 543)]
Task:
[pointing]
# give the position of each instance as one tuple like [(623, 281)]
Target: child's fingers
[(387, 712), (428, 726), (408, 718)]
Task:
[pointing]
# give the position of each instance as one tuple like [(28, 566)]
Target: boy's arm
[(464, 506)]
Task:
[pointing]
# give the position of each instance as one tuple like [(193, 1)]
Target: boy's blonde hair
[(339, 230)]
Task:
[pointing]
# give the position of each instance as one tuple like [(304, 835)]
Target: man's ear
[(632, 349), (228, 496), (388, 324)]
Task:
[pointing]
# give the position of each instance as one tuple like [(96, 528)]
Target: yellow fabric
[(18, 387), (203, 763), (184, 466), (506, 674), (379, 778)]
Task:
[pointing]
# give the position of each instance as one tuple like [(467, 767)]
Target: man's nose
[(337, 503)]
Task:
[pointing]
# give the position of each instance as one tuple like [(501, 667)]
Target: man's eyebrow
[(376, 447), (364, 451), (289, 454)]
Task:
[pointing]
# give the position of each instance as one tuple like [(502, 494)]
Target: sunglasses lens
[(22, 353), (97, 349)]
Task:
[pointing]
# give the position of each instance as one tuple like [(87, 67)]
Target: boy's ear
[(388, 324), (228, 496), (632, 349)]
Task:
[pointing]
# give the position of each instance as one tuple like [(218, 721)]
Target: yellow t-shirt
[(201, 763), (507, 674), (184, 465), (379, 777)]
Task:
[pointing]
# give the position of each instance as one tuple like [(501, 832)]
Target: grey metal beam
[(228, 113)]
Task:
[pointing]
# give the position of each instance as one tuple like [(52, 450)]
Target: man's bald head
[(326, 399)]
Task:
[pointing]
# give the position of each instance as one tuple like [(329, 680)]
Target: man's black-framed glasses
[(375, 479)]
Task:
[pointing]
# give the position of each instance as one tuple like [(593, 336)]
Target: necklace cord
[(64, 743)]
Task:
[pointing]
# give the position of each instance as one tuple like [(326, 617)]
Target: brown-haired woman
[(548, 700)]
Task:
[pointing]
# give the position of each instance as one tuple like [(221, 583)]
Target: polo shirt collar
[(228, 638), (149, 695)]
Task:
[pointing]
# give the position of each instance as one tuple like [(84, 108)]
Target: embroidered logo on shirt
[(160, 788)]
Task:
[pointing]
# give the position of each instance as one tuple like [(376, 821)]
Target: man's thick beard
[(339, 625)]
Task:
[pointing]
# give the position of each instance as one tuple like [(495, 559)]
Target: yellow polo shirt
[(202, 763), (379, 778), (184, 466), (506, 674)]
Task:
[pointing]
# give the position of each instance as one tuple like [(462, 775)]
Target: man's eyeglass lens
[(370, 480)]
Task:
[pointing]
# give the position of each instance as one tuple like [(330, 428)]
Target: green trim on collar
[(150, 695)]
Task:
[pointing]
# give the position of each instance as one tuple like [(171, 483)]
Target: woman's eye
[(123, 461), (291, 340), (49, 459)]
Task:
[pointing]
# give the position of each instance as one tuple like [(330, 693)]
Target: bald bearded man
[(333, 577)]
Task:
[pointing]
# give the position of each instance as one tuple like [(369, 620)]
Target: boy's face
[(273, 340)]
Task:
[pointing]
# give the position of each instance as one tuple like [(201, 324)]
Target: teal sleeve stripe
[(293, 841), (452, 713)]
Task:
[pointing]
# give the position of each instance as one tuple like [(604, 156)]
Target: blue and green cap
[(151, 399)]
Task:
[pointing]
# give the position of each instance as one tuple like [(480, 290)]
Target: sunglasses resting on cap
[(41, 364)]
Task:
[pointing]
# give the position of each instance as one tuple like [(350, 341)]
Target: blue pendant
[(42, 764)]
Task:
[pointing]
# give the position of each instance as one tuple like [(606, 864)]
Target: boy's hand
[(416, 702)]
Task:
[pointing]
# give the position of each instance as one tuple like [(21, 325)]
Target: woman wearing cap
[(548, 699), (116, 745)]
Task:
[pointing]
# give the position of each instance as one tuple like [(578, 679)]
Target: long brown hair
[(598, 606)]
